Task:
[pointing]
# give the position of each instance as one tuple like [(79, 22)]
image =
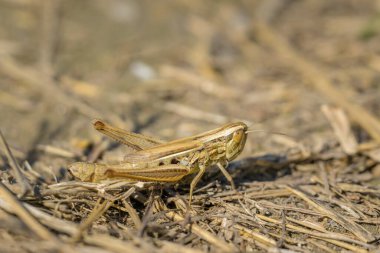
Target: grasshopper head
[(236, 141), (82, 171)]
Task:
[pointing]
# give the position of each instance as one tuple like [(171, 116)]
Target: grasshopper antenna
[(265, 131), (268, 132)]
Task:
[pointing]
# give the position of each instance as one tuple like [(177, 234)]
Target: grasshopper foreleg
[(227, 175)]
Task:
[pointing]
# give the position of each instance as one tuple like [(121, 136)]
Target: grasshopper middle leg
[(195, 181)]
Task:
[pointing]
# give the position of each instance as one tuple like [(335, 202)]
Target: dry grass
[(314, 189)]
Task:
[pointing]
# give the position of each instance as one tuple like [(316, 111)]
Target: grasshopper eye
[(238, 136), (235, 145)]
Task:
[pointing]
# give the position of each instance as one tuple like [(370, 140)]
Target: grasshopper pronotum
[(156, 161)]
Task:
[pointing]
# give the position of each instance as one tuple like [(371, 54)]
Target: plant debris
[(308, 183)]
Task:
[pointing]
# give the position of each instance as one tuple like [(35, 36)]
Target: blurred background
[(170, 69), (175, 68)]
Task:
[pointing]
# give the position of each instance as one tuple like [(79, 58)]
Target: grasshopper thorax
[(236, 141)]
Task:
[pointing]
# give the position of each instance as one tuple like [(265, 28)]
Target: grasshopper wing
[(165, 151), (132, 140)]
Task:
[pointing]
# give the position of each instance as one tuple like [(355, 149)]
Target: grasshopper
[(155, 161)]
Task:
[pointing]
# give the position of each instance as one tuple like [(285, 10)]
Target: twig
[(132, 212), (255, 235), (348, 224), (207, 236), (283, 229), (325, 181), (98, 211), (342, 129), (358, 188), (25, 186), (17, 208), (46, 219), (97, 151), (268, 204), (334, 238), (256, 195), (32, 173), (56, 151)]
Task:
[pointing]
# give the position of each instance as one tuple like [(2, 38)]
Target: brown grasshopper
[(156, 161)]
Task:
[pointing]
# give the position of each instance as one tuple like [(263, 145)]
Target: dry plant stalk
[(342, 128), (156, 161)]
